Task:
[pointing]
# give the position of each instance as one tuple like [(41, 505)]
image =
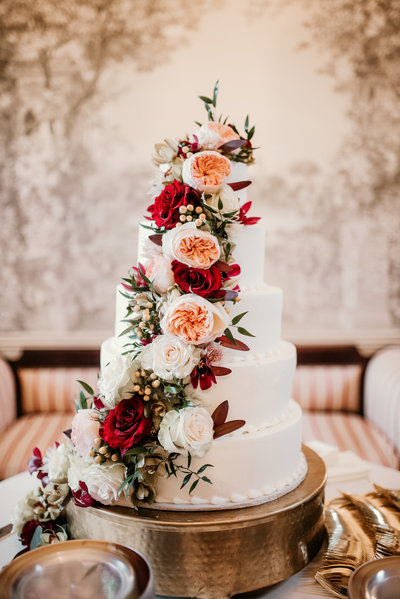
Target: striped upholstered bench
[(37, 403), (347, 401)]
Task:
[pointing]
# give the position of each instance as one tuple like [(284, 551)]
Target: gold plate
[(84, 568), (376, 579), (214, 555)]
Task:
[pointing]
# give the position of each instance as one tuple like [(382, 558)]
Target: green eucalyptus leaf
[(186, 479), (243, 331), (87, 387), (215, 93), (193, 486), (231, 338), (238, 317), (206, 100), (206, 479)]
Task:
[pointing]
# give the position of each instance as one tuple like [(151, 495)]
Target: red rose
[(165, 210), (29, 530), (204, 282), (126, 425)]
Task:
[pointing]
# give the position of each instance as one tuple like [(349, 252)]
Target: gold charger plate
[(216, 554), (80, 568)]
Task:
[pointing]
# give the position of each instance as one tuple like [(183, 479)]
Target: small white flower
[(169, 356), (188, 430), (23, 512), (117, 380), (57, 462)]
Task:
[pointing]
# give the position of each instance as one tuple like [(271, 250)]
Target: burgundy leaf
[(228, 427), (127, 287), (68, 433), (245, 208), (98, 403), (227, 295), (157, 239), (232, 270), (220, 370), (239, 185), (234, 144), (220, 413), (239, 345), (82, 498)]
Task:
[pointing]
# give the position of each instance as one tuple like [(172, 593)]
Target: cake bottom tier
[(246, 470)]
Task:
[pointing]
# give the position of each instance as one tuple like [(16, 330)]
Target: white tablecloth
[(300, 586)]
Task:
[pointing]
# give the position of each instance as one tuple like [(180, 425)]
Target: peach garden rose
[(191, 246), (194, 319), (206, 171)]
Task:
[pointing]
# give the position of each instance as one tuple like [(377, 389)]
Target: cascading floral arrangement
[(148, 412)]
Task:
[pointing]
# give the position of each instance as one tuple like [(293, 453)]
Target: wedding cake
[(193, 409)]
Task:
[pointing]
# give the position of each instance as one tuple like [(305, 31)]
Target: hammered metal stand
[(215, 555)]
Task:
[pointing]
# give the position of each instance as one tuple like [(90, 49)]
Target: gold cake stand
[(216, 554)]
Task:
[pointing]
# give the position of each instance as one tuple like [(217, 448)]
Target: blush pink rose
[(85, 429), (191, 246), (206, 171), (159, 271), (194, 319), (212, 135)]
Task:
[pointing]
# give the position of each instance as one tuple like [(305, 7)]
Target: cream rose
[(188, 430), (85, 429), (103, 480), (206, 171), (169, 356), (159, 271), (191, 246), (229, 199), (117, 380), (212, 135), (194, 319)]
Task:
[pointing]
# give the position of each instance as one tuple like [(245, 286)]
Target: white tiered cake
[(262, 460)]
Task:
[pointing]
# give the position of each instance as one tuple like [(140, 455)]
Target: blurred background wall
[(87, 88)]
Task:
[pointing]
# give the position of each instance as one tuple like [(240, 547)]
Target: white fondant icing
[(264, 458)]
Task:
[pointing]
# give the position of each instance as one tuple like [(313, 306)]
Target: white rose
[(57, 460), (168, 356), (191, 246), (159, 271), (104, 480), (194, 319), (117, 380), (229, 199), (189, 430)]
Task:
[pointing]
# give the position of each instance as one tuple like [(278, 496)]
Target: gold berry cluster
[(191, 214), (143, 317), (102, 452)]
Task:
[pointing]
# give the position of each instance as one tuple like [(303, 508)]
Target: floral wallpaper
[(87, 88)]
